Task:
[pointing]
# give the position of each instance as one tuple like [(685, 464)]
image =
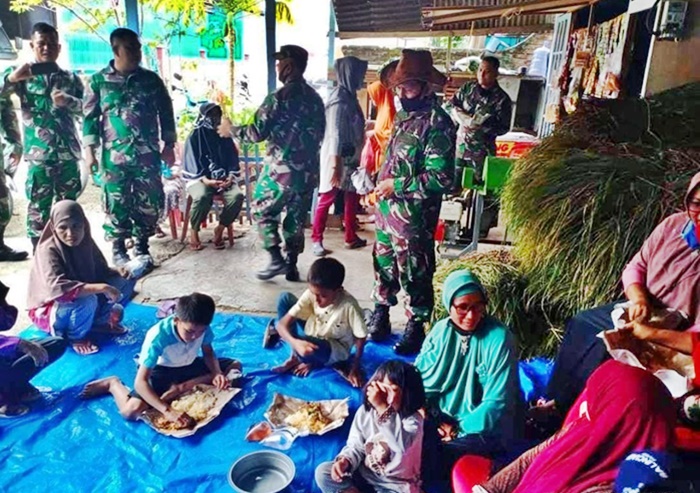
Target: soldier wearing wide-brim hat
[(418, 168)]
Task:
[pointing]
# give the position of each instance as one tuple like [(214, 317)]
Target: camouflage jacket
[(125, 112), (50, 132), (420, 154), (10, 139), (293, 122), (492, 107)]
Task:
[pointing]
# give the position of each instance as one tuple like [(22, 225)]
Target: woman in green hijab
[(469, 366)]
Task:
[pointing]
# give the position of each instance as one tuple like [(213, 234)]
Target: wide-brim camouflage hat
[(416, 65)]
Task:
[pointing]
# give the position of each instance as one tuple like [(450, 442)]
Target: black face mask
[(415, 104)]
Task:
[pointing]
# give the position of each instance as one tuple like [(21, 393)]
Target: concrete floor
[(227, 275)]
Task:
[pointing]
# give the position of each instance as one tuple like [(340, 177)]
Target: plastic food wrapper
[(674, 369), (222, 398), (336, 410)]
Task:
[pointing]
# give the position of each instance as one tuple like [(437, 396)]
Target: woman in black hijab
[(211, 167)]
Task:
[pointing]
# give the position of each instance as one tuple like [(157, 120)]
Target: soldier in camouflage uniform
[(124, 106), (11, 153), (51, 105), (293, 121), (418, 168), (483, 112)]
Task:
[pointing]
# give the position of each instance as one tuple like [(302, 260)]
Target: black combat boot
[(119, 255), (292, 270), (276, 267), (141, 249), (412, 338), (7, 254), (379, 326)]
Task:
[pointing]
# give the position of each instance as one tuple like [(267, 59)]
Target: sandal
[(196, 247), (89, 347), (220, 245)]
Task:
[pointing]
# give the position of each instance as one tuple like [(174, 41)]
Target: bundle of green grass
[(583, 201), (580, 205)]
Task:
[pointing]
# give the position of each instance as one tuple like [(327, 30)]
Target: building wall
[(513, 59), (674, 64)]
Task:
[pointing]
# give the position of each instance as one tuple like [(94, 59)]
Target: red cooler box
[(514, 145)]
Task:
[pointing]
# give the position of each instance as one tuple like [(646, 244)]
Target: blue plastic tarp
[(69, 445)]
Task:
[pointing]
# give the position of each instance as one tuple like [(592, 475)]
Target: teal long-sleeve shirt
[(480, 389)]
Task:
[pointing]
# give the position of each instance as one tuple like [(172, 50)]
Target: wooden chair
[(218, 199)]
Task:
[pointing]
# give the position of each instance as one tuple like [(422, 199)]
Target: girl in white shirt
[(383, 452)]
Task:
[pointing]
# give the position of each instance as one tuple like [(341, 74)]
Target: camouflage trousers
[(133, 197), (47, 183), (270, 199), (5, 212), (404, 257)]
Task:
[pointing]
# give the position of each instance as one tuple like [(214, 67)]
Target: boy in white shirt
[(169, 364), (322, 326)]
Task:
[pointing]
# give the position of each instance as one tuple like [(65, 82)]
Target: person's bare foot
[(303, 369), (195, 242), (97, 388), (159, 232), (172, 393), (84, 347), (219, 237), (288, 365)]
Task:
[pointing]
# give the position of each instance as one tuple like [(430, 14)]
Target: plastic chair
[(469, 471), (218, 199)]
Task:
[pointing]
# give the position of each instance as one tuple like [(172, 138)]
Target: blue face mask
[(690, 237)]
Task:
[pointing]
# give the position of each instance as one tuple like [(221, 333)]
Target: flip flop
[(94, 349), (196, 247), (220, 246), (13, 410)]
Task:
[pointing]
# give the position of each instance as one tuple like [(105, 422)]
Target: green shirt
[(476, 382), (292, 120), (125, 112), (10, 139), (50, 132)]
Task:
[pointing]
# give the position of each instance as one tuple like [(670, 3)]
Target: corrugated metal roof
[(413, 17), (379, 15)]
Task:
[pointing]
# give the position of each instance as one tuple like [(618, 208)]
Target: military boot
[(292, 270), (141, 249), (412, 338), (379, 326), (119, 255), (7, 254), (276, 267)]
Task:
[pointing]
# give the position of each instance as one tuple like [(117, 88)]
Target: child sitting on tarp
[(384, 447), (322, 326), (20, 360), (169, 365)]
